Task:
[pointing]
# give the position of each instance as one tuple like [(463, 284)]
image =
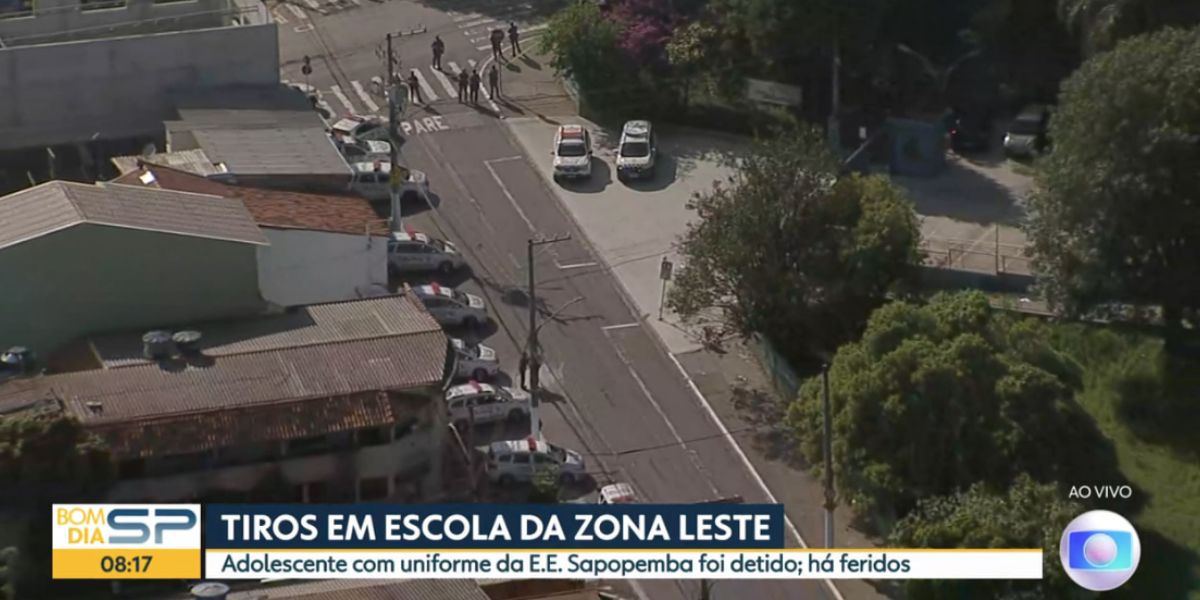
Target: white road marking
[(581, 265), (479, 39), (471, 62), (313, 4), (364, 96), (451, 88), (425, 87), (454, 67), (476, 23), (513, 201), (296, 10), (679, 441), (304, 28), (466, 17), (621, 326), (536, 28), (278, 17), (337, 91), (487, 47)]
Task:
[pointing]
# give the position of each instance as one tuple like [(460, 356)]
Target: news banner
[(570, 541)]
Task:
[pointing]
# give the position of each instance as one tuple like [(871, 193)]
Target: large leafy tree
[(936, 397), (585, 44), (1024, 515), (1117, 213), (43, 459), (788, 248), (1100, 24)]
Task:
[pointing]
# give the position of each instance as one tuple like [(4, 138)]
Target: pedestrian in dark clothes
[(494, 81), (414, 91), (439, 48), (514, 38), (475, 86), (497, 43), (463, 81)]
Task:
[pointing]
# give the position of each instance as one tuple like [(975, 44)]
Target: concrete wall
[(92, 278), (307, 267), (119, 87), (59, 20)]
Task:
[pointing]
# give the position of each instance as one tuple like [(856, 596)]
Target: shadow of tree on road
[(767, 415)]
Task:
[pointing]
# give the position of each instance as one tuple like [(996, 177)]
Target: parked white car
[(489, 403), (572, 152), (361, 127), (362, 150), (413, 251), (517, 460), (373, 181), (451, 307), (637, 152), (474, 361)]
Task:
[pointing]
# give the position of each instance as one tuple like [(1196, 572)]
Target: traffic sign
[(664, 270)]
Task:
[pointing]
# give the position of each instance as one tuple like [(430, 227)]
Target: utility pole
[(393, 137), (533, 350), (827, 438), (835, 131)]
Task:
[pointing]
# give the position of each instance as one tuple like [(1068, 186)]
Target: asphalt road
[(616, 396)]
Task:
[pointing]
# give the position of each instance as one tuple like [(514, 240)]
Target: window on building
[(132, 468), (16, 8), (373, 436), (101, 4), (373, 488)]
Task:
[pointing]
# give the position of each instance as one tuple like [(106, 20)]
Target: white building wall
[(307, 267)]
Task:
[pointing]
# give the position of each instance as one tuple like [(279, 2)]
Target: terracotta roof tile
[(271, 208)]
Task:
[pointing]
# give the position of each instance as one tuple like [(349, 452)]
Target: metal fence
[(783, 377), (983, 255)]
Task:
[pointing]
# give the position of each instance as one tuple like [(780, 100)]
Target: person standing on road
[(463, 80), (497, 43), (439, 48), (414, 91), (514, 38), (475, 86), (494, 81)]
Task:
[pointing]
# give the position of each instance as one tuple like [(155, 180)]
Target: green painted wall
[(91, 279)]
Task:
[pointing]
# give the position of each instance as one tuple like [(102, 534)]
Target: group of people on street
[(469, 84)]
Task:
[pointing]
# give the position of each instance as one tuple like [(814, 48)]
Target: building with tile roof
[(80, 258), (335, 401), (322, 247)]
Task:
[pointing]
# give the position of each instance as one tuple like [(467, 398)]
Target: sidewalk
[(529, 87)]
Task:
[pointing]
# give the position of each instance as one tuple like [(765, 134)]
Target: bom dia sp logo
[(126, 541), (1100, 550)]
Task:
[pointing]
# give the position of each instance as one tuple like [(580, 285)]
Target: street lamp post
[(533, 350)]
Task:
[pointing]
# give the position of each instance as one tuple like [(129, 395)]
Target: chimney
[(187, 341), (157, 345), (210, 590)]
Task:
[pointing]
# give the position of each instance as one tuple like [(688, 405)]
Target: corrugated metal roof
[(384, 589), (58, 205), (178, 388), (316, 324), (277, 151), (190, 161)]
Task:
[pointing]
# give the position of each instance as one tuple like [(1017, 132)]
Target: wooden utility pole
[(533, 351), (394, 137)]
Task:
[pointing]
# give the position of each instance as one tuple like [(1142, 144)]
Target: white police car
[(410, 251), (489, 403), (361, 127), (474, 361), (373, 181), (451, 307), (637, 152), (572, 153), (517, 460)]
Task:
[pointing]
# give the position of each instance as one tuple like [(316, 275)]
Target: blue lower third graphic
[(1101, 550)]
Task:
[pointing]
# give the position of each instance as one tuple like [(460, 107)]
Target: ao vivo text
[(1123, 492), (460, 527)]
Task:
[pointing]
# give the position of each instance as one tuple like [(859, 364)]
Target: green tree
[(936, 397), (1024, 515), (787, 248), (44, 459), (1117, 213), (585, 45), (1100, 24)]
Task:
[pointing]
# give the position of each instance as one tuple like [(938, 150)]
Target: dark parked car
[(1026, 136), (971, 132)]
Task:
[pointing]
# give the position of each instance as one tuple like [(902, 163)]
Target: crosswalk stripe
[(471, 62), (466, 17), (278, 17), (337, 91), (476, 23), (537, 28), (479, 39), (364, 96), (451, 89), (313, 4), (454, 68), (299, 12), (425, 87), (487, 47)]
